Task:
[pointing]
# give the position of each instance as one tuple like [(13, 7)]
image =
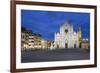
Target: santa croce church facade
[(67, 37)]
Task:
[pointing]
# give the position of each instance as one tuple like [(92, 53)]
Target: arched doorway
[(79, 45), (57, 46), (66, 45), (74, 45)]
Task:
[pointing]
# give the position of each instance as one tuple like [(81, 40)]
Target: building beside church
[(67, 37), (37, 41), (31, 41), (24, 40), (85, 43)]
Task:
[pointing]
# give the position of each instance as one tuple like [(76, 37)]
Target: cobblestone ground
[(54, 55)]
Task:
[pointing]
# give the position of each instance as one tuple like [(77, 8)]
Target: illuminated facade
[(37, 42), (24, 40), (80, 37), (44, 44), (85, 43), (67, 37), (31, 41)]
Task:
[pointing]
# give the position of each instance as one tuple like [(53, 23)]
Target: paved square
[(54, 55)]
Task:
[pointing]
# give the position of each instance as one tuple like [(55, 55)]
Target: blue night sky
[(48, 22)]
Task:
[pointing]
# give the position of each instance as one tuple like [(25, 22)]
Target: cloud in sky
[(48, 22)]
